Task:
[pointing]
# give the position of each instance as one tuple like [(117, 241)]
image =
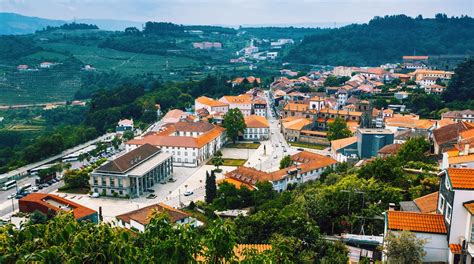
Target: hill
[(386, 39), (16, 24)]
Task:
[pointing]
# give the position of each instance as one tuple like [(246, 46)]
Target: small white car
[(188, 193), (275, 156), (34, 189), (11, 196), (94, 195)]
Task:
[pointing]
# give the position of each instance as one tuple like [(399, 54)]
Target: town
[(308, 164)]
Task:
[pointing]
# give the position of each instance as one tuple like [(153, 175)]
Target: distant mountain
[(16, 24), (387, 39)]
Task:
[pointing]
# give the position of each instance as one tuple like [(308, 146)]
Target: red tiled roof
[(461, 178), (143, 215), (41, 199), (416, 222), (450, 132), (469, 207), (455, 248), (428, 203), (130, 159)]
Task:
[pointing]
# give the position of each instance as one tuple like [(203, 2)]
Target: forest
[(386, 40)]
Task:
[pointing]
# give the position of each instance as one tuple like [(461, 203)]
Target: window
[(120, 182), (449, 211), (96, 181), (441, 203), (446, 182), (472, 232), (112, 181), (104, 182)]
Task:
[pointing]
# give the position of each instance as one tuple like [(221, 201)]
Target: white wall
[(459, 221)]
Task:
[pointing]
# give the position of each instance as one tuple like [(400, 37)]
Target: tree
[(128, 135), (462, 84), (217, 160), (76, 179), (414, 149), (211, 187), (234, 124), (286, 162), (404, 248), (338, 129), (220, 241), (37, 217)]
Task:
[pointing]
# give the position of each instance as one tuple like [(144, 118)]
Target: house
[(295, 109), (456, 206), (371, 140), (422, 74), (408, 122), (245, 80), (22, 67), (46, 65), (415, 62), (242, 102), (211, 105), (190, 143), (445, 137), (426, 204), (462, 154), (257, 128), (259, 106), (344, 148), (50, 204), (174, 116), (140, 218), (306, 166), (124, 125), (459, 116), (292, 127), (425, 226), (388, 150), (133, 173)]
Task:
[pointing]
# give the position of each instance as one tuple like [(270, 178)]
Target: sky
[(236, 12)]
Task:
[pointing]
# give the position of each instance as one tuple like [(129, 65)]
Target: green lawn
[(243, 145), (230, 162), (308, 145)]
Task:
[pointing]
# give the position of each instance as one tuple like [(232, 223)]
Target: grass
[(243, 145), (231, 162), (308, 145)]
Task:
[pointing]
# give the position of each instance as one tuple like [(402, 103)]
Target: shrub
[(103, 193)]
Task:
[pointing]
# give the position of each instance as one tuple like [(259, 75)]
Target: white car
[(188, 193), (11, 196), (275, 156), (94, 195), (34, 189)]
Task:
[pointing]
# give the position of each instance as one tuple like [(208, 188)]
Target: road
[(20, 172)]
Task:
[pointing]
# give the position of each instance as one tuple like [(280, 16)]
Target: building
[(211, 105), (124, 125), (174, 116), (344, 149), (456, 206), (306, 166), (140, 218), (415, 62), (245, 80), (444, 138), (425, 226), (371, 140), (133, 173), (459, 116), (421, 74), (398, 123), (190, 143), (257, 128), (291, 127), (50, 204), (259, 106), (389, 150), (242, 102), (46, 65)]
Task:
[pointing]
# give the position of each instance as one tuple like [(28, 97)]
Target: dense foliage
[(387, 39), (461, 87), (13, 47)]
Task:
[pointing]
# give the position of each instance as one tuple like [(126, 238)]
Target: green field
[(243, 145), (308, 145), (231, 162)]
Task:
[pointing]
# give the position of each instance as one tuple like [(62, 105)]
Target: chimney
[(391, 206)]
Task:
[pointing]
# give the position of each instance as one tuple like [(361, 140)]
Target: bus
[(9, 185)]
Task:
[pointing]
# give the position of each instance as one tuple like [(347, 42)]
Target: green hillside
[(385, 40)]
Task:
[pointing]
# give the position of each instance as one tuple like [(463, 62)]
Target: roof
[(236, 183), (175, 113), (341, 112), (201, 126), (143, 215), (296, 107), (79, 211), (461, 178), (415, 57), (130, 160), (306, 156), (248, 175), (297, 124), (409, 206), (461, 159), (210, 102), (409, 122), (428, 203), (241, 249), (469, 207), (255, 121), (375, 131), (239, 99), (125, 122), (389, 149), (343, 142), (455, 248), (416, 222)]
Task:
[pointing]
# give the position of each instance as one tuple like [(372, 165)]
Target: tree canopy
[(338, 129), (234, 124)]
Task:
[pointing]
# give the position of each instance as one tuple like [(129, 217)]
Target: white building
[(243, 102), (174, 116), (211, 105), (190, 143), (257, 128), (140, 218)]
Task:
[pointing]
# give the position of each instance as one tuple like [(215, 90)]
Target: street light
[(260, 163)]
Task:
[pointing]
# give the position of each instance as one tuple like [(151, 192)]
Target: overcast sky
[(235, 12)]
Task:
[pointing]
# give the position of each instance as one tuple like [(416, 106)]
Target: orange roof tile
[(455, 248), (144, 214), (343, 142), (255, 121), (416, 222), (241, 249), (461, 178), (297, 124), (239, 99), (469, 207), (210, 102), (236, 183), (428, 203), (296, 107), (79, 211), (460, 159)]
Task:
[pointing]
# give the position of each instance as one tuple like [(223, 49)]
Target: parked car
[(300, 149), (19, 196), (150, 190), (11, 196), (35, 188), (151, 196), (171, 180), (275, 156), (94, 195), (188, 193), (163, 182)]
